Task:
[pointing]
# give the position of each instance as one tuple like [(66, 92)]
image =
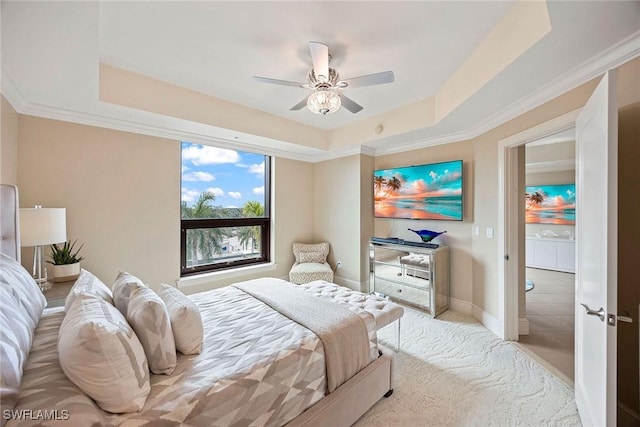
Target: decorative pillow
[(123, 287), (186, 320), (147, 314), (302, 248), (21, 285), (90, 284), (317, 257), (21, 305), (100, 353)]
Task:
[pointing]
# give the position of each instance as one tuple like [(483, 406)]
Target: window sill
[(210, 277)]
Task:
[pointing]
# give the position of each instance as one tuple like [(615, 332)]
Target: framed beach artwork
[(429, 191), (551, 204)]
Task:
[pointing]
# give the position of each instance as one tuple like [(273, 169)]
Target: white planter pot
[(66, 272)]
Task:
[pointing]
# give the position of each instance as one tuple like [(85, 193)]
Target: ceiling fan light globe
[(324, 102)]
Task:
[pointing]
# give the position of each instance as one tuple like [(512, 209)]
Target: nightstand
[(58, 293)]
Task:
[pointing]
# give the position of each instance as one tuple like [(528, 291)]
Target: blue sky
[(235, 177)]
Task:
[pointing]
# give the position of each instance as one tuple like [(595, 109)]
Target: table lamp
[(39, 227)]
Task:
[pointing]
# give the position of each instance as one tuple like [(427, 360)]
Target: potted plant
[(65, 261)]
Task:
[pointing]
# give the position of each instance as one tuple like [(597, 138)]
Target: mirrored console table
[(412, 272)]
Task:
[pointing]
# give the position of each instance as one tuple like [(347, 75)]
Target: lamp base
[(44, 284), (40, 270)]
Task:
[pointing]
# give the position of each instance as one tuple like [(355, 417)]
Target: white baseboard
[(461, 306), (488, 321), (523, 326), (351, 284)]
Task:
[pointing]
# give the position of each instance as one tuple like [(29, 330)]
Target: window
[(225, 209)]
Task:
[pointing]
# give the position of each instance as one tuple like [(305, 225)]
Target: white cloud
[(206, 155), (198, 176), (235, 194), (217, 191), (189, 196), (258, 190), (258, 169)]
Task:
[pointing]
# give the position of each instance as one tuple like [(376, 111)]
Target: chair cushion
[(306, 257), (308, 272), (321, 248)]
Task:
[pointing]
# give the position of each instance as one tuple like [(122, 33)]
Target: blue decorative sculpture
[(427, 235)]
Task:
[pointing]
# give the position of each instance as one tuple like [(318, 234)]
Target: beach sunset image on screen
[(430, 191)]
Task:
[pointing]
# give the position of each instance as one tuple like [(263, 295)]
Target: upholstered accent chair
[(311, 263)]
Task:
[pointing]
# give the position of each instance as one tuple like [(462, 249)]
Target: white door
[(596, 275)]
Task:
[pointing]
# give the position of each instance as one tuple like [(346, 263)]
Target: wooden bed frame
[(343, 407)]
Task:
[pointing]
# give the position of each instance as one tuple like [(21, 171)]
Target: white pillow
[(148, 316), (186, 320), (88, 283), (123, 287), (100, 353), (21, 304)]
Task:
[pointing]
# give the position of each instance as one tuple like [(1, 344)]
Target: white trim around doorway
[(508, 201)]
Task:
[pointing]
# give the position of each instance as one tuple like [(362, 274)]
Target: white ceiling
[(51, 52)]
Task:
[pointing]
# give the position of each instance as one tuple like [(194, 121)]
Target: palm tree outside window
[(225, 208)]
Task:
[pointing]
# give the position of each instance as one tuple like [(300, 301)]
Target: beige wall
[(8, 144), (122, 194), (628, 251), (485, 200), (367, 225), (458, 236), (337, 207)]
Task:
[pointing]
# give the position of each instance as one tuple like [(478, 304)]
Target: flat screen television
[(551, 204), (429, 191)]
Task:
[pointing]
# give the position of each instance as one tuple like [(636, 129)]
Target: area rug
[(452, 371)]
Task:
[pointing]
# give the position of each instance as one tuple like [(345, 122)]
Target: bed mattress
[(256, 365)]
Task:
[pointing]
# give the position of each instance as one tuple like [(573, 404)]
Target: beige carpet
[(452, 371)]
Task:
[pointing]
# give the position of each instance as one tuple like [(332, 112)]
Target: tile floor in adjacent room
[(550, 310)]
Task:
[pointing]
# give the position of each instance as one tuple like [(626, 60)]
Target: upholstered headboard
[(9, 221)]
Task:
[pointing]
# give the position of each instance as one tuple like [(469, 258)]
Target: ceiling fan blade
[(350, 104), (277, 82), (299, 106), (320, 59), (370, 79)]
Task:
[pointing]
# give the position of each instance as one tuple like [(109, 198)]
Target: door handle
[(600, 313), (624, 317)]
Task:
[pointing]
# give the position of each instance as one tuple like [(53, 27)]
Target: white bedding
[(255, 365)]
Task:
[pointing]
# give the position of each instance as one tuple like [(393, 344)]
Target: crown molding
[(67, 115), (616, 55), (612, 57), (11, 92)]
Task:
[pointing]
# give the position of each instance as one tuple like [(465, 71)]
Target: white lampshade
[(42, 226)]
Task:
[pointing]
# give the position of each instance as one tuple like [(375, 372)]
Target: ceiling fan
[(326, 84)]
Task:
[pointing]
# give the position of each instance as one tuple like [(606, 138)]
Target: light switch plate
[(489, 232)]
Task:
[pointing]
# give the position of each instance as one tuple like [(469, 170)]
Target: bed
[(255, 366)]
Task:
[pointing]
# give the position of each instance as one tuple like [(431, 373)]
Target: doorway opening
[(547, 305)]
